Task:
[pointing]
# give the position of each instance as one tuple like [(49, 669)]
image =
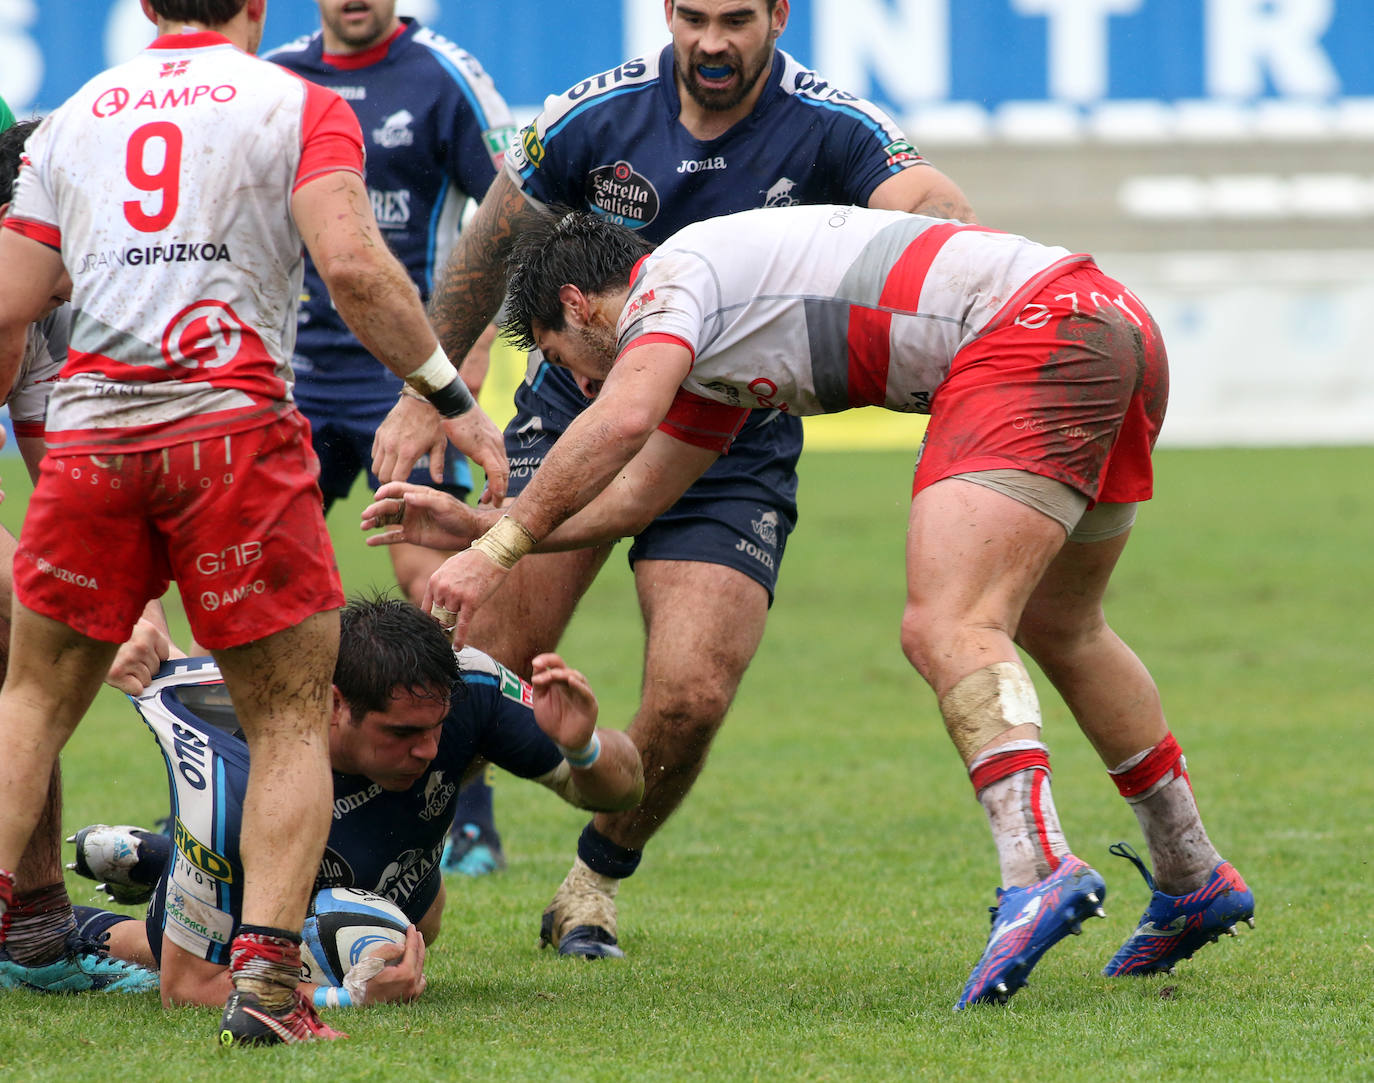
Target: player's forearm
[(649, 485), (379, 304), (473, 281)]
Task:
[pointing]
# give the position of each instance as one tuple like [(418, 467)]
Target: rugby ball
[(343, 925)]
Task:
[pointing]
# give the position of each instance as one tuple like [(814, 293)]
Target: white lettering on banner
[(1247, 39), (1077, 60), (21, 73), (904, 45)]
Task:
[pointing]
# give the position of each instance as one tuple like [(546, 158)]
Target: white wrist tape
[(434, 375)]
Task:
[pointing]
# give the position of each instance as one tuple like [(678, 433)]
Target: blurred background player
[(409, 719), (172, 437), (720, 120), (435, 129)]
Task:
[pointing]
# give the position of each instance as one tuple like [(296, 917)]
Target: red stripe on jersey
[(703, 422), (331, 138), (28, 428), (659, 336), (41, 232), (870, 329)]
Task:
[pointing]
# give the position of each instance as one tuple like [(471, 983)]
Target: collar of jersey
[(192, 39), (368, 57)]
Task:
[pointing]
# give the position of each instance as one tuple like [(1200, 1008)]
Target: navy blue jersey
[(613, 144), (385, 842), (435, 130)]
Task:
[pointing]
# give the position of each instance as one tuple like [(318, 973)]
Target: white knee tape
[(987, 703)]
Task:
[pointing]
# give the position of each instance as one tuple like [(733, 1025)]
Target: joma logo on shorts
[(761, 555), (86, 581)]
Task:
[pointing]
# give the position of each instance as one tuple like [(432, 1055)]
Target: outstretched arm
[(648, 486), (601, 768), (597, 444)]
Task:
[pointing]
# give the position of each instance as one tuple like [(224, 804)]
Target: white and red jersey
[(45, 352), (166, 183), (813, 310)]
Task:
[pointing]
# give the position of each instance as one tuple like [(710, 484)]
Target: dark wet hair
[(577, 248), (388, 647), (205, 12), (12, 141)]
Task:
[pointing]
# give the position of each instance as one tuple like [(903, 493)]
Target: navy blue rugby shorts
[(738, 514)]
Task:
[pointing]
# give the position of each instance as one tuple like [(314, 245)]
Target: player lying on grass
[(410, 719), (1046, 383)]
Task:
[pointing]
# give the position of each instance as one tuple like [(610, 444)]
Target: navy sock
[(604, 856)]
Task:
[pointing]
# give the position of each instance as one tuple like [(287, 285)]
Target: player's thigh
[(974, 555), (703, 622), (1067, 601), (281, 683), (530, 611)]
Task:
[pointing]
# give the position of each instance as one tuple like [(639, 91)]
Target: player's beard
[(363, 35), (724, 99)]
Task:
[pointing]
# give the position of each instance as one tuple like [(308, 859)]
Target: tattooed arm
[(466, 298)]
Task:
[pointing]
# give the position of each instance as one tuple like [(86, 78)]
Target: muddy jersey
[(613, 144), (45, 352), (436, 130), (166, 184), (383, 841), (813, 310)]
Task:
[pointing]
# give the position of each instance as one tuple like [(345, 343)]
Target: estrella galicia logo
[(622, 195)]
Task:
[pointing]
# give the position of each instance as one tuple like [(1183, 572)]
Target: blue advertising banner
[(909, 55)]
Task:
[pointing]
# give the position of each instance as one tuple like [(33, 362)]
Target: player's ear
[(575, 304), (4, 210), (779, 17), (149, 12)]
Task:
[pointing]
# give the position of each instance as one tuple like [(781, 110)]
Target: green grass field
[(814, 910)]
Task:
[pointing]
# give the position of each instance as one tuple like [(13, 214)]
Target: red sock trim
[(997, 767), (276, 950), (1163, 758)]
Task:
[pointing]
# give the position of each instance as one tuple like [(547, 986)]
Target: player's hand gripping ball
[(343, 925)]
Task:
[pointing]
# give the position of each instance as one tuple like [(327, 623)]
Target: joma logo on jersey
[(202, 857), (701, 165), (392, 209)]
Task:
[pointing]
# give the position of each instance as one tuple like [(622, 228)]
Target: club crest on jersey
[(173, 68), (204, 335), (624, 196), (438, 793), (780, 195), (395, 130)]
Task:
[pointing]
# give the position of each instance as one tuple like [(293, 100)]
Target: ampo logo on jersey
[(204, 335)]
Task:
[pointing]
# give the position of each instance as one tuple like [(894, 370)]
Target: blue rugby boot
[(472, 851), (83, 966), (1027, 922), (1173, 927)]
